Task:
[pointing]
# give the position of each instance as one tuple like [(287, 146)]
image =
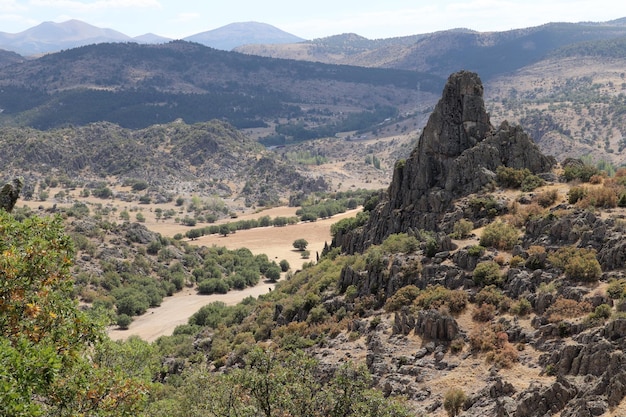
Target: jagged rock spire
[(456, 155)]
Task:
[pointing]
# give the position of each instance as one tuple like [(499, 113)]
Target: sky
[(311, 19)]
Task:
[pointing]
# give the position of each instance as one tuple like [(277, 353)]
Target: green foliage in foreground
[(46, 342), (276, 384)]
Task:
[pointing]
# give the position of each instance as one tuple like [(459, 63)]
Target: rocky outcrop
[(433, 325), (457, 154)]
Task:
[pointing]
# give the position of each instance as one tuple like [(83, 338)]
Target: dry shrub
[(484, 313), (596, 179), (565, 308), (456, 346), (522, 213), (500, 259), (494, 296), (546, 198), (601, 197), (491, 339)]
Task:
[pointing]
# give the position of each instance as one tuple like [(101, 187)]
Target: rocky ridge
[(457, 154), (574, 365)]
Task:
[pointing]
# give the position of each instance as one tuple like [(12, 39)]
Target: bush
[(564, 308), (576, 194), (284, 265), (453, 401), (531, 182), (462, 229), (490, 339), (487, 273), (273, 273), (437, 296), (123, 321), (603, 197), (615, 289), (511, 177), (476, 250), (400, 243), (547, 198), (403, 297), (522, 307), (494, 296), (500, 236), (582, 173), (484, 313), (578, 264), (536, 257), (212, 286), (600, 314), (300, 244)]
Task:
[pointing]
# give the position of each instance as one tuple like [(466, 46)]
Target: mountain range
[(52, 37)]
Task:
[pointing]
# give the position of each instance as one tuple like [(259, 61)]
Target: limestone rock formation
[(457, 154)]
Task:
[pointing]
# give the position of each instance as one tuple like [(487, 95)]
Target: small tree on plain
[(300, 244)]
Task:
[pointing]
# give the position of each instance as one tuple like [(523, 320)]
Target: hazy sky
[(307, 19)]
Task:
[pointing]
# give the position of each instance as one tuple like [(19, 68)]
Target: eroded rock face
[(457, 154)]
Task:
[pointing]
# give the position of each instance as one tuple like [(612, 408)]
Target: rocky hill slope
[(210, 158), (457, 154), (493, 286)]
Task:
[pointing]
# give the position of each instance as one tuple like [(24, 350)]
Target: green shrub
[(284, 265), (487, 273), (578, 264), (400, 243), (123, 321), (500, 236), (582, 173), (403, 297), (576, 194), (476, 250), (462, 229), (600, 314), (436, 296), (531, 182), (522, 307), (453, 401), (616, 288), (511, 177)]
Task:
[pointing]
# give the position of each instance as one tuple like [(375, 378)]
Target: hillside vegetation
[(502, 295), (209, 159)]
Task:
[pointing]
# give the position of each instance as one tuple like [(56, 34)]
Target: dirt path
[(275, 242), (176, 310)]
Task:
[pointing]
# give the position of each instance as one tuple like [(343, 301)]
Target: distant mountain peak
[(243, 33)]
